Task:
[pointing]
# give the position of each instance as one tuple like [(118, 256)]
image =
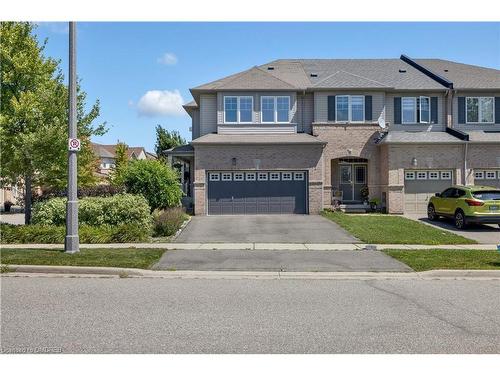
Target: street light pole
[(71, 241)]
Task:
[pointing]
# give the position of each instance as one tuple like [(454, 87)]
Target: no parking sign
[(74, 144)]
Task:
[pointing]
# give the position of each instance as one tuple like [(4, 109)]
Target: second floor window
[(238, 109), (479, 110), (416, 110), (350, 108), (275, 109)]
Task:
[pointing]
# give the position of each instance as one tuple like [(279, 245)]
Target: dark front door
[(263, 192), (352, 179)]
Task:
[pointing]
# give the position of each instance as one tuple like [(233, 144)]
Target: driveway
[(264, 229), (484, 234), (280, 260)]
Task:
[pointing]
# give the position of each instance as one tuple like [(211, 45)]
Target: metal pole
[(71, 242)]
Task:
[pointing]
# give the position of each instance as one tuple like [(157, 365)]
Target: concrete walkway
[(252, 246)]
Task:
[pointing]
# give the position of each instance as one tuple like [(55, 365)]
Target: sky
[(142, 72)]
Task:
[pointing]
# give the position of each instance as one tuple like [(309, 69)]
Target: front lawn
[(389, 229), (424, 260), (126, 258)]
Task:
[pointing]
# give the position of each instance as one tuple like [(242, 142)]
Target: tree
[(155, 180), (165, 140), (121, 163), (34, 116)]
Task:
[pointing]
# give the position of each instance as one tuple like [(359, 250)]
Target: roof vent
[(270, 68), (446, 70), (402, 70), (314, 74)]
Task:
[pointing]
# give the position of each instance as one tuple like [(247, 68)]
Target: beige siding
[(389, 105), (469, 127), (195, 123), (208, 114), (321, 104)]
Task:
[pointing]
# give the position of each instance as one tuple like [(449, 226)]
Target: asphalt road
[(82, 315)]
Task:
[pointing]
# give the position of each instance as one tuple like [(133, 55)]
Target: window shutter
[(461, 109), (397, 110), (497, 110), (331, 107), (434, 109), (368, 107), (418, 110)]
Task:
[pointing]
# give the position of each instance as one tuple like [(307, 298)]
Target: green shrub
[(97, 211), (155, 180), (49, 234), (168, 222)]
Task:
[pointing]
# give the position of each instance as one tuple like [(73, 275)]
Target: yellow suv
[(466, 205)]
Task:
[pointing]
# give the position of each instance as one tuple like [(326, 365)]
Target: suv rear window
[(487, 195)]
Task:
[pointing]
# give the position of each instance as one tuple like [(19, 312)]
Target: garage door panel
[(259, 196), (418, 191)]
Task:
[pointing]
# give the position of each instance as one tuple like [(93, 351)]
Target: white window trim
[(276, 174), (444, 173), (349, 109), (415, 109), (240, 178), (238, 121), (420, 110), (421, 178), (300, 174), (275, 117), (479, 109), (250, 174), (433, 172), (211, 176), (490, 178), (262, 174), (479, 175), (226, 174), (408, 174), (283, 178)]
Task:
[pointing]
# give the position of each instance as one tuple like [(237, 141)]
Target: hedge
[(97, 211), (50, 234), (168, 222)]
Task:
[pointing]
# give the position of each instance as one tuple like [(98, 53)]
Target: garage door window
[(299, 176), (238, 176), (421, 175), (214, 177), (286, 176), (409, 175), (274, 176), (262, 176), (490, 175), (479, 175), (227, 177), (445, 175), (250, 176), (433, 175)]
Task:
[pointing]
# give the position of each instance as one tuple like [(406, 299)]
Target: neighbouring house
[(289, 136), (107, 156)]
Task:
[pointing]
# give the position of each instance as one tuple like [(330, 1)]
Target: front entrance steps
[(354, 208)]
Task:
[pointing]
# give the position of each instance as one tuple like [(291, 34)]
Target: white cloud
[(168, 58), (161, 103)]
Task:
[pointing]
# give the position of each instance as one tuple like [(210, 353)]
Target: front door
[(352, 179)]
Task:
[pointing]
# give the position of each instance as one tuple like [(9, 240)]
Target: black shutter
[(434, 109), (331, 108), (461, 109), (397, 110), (368, 107), (497, 110), (418, 110)]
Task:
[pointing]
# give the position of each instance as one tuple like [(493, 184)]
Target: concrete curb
[(72, 271), (252, 246)]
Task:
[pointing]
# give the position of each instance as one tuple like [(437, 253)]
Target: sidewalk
[(252, 246)]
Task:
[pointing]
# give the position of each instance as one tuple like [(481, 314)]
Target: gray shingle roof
[(343, 79), (236, 139), (463, 76), (394, 137), (484, 136)]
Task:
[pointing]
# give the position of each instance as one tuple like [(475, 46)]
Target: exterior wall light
[(414, 162)]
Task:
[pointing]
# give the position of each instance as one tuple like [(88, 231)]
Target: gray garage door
[(263, 192), (420, 185), (487, 177)]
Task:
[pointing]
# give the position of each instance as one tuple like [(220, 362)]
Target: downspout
[(466, 148)]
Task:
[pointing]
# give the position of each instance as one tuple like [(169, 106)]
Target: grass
[(389, 229), (127, 258), (424, 260)]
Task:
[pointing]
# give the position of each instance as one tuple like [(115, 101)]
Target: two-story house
[(107, 156), (289, 135)]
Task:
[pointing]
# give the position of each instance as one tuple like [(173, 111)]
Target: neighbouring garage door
[(487, 177), (420, 185), (263, 192)]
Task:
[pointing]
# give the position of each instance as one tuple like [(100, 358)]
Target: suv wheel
[(431, 212), (460, 222)]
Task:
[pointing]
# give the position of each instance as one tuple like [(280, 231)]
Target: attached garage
[(420, 185), (487, 177), (259, 192)]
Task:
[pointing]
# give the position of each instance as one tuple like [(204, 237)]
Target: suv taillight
[(473, 202)]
